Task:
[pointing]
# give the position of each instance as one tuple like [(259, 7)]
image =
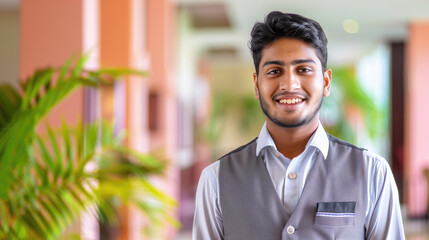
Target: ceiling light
[(351, 26)]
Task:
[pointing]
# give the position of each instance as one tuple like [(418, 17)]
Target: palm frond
[(55, 198), (47, 181), (10, 100)]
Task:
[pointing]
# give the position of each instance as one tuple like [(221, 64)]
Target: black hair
[(287, 25)]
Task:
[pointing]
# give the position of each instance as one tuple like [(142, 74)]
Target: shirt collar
[(319, 140)]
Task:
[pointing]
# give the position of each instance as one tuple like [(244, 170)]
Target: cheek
[(267, 88), (313, 87)]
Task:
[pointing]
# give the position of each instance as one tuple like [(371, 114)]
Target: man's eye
[(304, 70), (273, 72)]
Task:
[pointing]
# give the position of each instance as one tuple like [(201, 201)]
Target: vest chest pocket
[(335, 214)]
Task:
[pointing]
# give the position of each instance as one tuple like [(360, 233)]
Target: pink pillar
[(160, 43), (139, 34), (52, 31), (122, 39), (417, 118)]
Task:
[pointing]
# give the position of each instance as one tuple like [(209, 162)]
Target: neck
[(292, 141)]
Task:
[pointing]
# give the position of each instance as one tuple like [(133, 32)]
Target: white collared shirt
[(383, 216)]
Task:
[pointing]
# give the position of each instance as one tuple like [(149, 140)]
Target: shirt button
[(277, 155), (290, 229), (292, 175)]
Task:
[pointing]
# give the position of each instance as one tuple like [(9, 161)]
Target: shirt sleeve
[(208, 224), (383, 219)]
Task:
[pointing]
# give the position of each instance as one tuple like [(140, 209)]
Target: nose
[(289, 82)]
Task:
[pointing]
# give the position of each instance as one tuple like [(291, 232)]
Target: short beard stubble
[(280, 123)]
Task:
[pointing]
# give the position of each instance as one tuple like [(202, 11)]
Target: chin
[(288, 123)]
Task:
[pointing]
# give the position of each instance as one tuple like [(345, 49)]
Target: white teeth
[(290, 101)]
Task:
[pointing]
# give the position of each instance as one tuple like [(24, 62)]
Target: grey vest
[(332, 205)]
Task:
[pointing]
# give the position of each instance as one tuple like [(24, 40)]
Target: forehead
[(288, 50)]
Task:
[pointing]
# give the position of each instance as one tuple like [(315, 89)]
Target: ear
[(255, 81), (327, 78)]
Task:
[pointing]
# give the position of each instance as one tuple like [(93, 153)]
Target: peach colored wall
[(50, 33), (157, 52), (417, 117), (160, 39), (115, 33), (121, 24), (122, 44), (137, 34)]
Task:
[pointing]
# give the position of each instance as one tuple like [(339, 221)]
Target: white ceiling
[(380, 21)]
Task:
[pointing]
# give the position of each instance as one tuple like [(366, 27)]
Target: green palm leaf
[(46, 182)]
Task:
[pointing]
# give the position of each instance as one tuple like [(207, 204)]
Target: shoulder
[(372, 161), (375, 158), (343, 143), (208, 182), (377, 166), (210, 173)]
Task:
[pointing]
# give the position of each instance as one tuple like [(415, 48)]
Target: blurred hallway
[(197, 100)]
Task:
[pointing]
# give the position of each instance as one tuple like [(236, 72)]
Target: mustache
[(286, 93)]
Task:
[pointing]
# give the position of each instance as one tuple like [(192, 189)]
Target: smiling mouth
[(290, 100)]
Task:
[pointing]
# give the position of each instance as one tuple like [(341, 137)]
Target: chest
[(252, 209)]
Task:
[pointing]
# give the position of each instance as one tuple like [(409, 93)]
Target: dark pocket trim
[(336, 207)]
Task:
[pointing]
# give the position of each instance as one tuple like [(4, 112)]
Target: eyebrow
[(294, 62), (299, 61)]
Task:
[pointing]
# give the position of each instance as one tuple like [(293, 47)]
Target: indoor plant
[(46, 182)]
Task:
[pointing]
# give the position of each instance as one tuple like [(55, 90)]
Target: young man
[(295, 181)]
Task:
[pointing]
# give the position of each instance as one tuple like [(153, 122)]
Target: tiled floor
[(184, 236), (418, 236), (416, 229)]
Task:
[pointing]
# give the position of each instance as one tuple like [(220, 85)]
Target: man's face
[(291, 83)]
